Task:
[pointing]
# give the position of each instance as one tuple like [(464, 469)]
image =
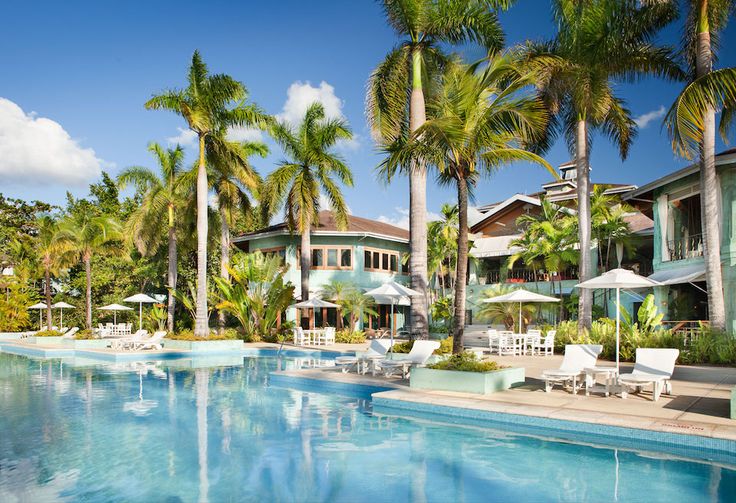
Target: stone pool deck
[(699, 406)]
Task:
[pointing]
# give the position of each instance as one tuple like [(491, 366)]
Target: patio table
[(312, 336), (524, 342), (610, 376)]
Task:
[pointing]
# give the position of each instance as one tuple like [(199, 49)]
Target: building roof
[(327, 225)]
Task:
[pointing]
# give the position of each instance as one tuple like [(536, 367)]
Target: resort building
[(494, 233), (673, 203), (368, 253)]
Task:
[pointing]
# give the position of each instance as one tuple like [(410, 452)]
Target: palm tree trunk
[(305, 258), (47, 290), (461, 269), (172, 278), (88, 296), (585, 307), (201, 323), (224, 259), (710, 189), (418, 209)]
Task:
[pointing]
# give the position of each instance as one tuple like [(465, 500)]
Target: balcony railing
[(685, 248), (525, 276)]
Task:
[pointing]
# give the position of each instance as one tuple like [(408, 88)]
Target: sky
[(75, 76)]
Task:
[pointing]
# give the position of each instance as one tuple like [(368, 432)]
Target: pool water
[(164, 431)]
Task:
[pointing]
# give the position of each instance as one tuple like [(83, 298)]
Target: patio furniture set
[(316, 337), (508, 343), (375, 360)]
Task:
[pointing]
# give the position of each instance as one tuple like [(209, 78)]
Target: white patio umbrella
[(521, 296), (395, 292), (115, 308), (313, 303), (140, 298), (618, 279), (40, 306), (61, 306)]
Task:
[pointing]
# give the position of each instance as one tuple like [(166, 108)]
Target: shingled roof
[(327, 225)]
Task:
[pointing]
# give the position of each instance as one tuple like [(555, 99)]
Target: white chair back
[(70, 333), (421, 351), (157, 336), (580, 356), (379, 347), (655, 361), (537, 333)]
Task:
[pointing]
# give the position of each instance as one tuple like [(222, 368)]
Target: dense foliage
[(464, 362)]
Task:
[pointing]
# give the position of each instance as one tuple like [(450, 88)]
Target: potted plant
[(466, 373)]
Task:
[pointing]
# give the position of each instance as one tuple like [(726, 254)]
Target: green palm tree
[(210, 104), (163, 195), (506, 313), (339, 292), (598, 42), (395, 99), (691, 125), (480, 121), (311, 166), (51, 251), (88, 235)]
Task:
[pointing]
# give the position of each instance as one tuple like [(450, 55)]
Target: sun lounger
[(376, 351), (153, 342), (419, 354), (70, 333), (127, 342), (577, 358), (653, 366)]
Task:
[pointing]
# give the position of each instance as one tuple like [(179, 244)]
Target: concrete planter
[(400, 356), (14, 336), (482, 383), (204, 346), (86, 343), (46, 341), (733, 403)]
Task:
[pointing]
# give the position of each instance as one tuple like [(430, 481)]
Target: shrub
[(48, 333), (346, 337), (85, 335), (405, 347), (465, 362), (188, 335), (710, 346)]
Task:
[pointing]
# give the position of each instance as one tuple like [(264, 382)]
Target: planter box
[(482, 383), (400, 356), (204, 346), (46, 341), (733, 403), (13, 336), (86, 343)]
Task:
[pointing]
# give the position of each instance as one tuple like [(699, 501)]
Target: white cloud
[(185, 138), (38, 149), (324, 203), (400, 218), (242, 134), (643, 120)]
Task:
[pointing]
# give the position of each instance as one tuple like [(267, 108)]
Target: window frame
[(382, 253), (324, 249)]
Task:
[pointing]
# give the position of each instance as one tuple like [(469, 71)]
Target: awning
[(497, 246), (679, 275)]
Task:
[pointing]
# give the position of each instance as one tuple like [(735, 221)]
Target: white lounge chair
[(376, 351), (577, 358), (653, 366), (70, 333), (153, 342), (419, 354), (127, 342)]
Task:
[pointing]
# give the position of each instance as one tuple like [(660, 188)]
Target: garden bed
[(482, 383)]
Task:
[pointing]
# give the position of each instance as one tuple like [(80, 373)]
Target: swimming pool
[(183, 430)]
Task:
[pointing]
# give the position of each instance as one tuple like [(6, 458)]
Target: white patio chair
[(300, 338), (376, 351), (577, 358), (153, 342), (419, 354), (127, 342), (507, 344), (546, 345), (653, 366)]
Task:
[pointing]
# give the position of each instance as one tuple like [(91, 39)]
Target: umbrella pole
[(392, 325), (618, 323), (61, 323), (40, 319), (114, 317), (140, 316), (520, 329)]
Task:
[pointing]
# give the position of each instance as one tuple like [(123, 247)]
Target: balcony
[(525, 276), (685, 248)]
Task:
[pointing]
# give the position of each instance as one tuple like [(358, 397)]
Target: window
[(269, 252), (405, 266), (330, 257), (384, 260)]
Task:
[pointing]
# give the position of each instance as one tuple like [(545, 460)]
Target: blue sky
[(89, 66)]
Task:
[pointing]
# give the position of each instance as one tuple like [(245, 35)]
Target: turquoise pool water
[(76, 431)]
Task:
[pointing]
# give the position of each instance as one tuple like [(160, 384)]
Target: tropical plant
[(357, 306), (441, 311), (256, 294), (442, 246), (598, 42), (157, 317), (163, 195), (311, 165), (397, 88), (506, 313), (691, 125), (51, 253), (14, 302), (210, 104), (188, 299), (87, 235), (465, 362), (339, 292), (480, 120)]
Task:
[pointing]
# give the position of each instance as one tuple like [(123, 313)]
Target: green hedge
[(465, 362)]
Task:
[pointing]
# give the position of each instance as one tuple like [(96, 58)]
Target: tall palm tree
[(691, 124), (88, 235), (235, 181), (209, 104), (163, 195), (480, 121), (396, 94), (598, 42), (311, 166), (50, 251)]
